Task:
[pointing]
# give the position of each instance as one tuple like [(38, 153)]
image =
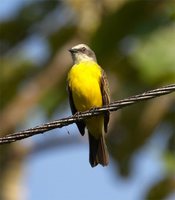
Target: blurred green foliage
[(135, 44)]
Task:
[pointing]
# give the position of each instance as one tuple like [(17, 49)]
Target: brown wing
[(105, 97), (80, 124)]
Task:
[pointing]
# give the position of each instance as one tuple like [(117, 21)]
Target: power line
[(116, 105)]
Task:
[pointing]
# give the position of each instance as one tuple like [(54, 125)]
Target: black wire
[(83, 115)]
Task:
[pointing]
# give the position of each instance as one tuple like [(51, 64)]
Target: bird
[(88, 88)]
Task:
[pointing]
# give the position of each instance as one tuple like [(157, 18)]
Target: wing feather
[(105, 97), (80, 124)]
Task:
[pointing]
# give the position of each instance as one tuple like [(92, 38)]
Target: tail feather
[(97, 151)]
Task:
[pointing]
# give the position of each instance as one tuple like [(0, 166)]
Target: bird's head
[(81, 53)]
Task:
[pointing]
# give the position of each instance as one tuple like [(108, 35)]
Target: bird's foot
[(93, 110), (77, 114)]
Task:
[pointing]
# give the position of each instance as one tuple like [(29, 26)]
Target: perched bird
[(88, 88)]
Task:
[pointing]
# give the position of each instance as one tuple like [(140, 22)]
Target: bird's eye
[(83, 49)]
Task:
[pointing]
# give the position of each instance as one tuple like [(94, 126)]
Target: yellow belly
[(84, 81)]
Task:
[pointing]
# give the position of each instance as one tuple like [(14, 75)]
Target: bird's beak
[(72, 50)]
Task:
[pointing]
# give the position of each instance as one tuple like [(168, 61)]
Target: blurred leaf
[(161, 189), (12, 75), (54, 98), (18, 28), (58, 38), (169, 160), (154, 56), (121, 23)]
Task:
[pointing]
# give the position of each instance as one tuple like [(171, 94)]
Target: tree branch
[(83, 115)]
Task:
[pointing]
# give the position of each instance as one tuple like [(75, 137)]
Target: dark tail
[(97, 151)]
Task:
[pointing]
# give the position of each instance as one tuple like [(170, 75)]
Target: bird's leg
[(77, 114), (93, 110)]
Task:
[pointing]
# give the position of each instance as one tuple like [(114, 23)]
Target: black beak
[(72, 50)]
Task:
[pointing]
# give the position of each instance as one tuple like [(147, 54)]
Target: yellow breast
[(84, 81)]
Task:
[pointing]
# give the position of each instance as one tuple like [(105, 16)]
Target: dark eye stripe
[(83, 49)]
